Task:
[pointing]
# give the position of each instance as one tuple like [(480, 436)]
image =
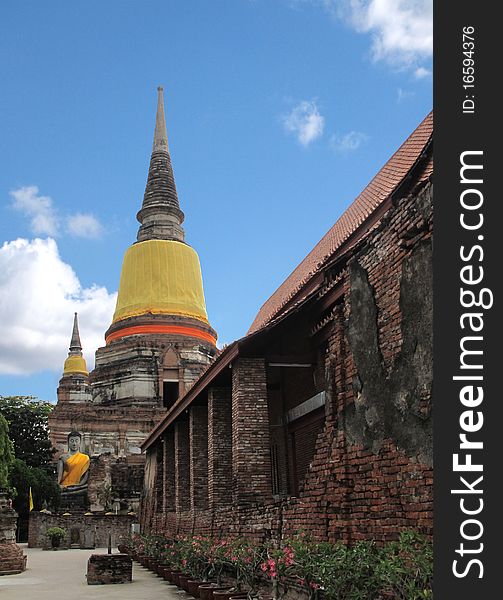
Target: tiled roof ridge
[(382, 185)]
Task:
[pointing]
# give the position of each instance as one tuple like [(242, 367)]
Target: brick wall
[(169, 471), (90, 527), (219, 446), (371, 471), (198, 436), (182, 466), (251, 464)]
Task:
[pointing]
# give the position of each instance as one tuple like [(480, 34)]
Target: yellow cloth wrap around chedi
[(75, 466), (161, 277), (75, 364)]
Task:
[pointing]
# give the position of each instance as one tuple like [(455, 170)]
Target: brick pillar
[(198, 435), (219, 447), (251, 460), (182, 467), (169, 471)]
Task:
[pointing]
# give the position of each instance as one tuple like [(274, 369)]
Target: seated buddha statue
[(73, 467)]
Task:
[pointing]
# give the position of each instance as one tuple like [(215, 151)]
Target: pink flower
[(314, 585), (263, 566)]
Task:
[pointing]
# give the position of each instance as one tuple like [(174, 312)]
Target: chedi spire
[(160, 215), (75, 344), (75, 364)]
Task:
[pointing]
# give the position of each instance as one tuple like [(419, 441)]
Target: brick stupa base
[(12, 559)]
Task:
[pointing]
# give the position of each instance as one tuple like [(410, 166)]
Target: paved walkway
[(61, 576)]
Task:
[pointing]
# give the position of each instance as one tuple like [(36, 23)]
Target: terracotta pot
[(193, 585), (166, 573), (224, 594), (175, 577), (169, 574), (183, 581), (152, 564), (206, 591)]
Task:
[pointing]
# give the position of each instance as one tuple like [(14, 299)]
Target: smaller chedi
[(73, 473)]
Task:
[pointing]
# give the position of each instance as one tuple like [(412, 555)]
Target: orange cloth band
[(177, 329)]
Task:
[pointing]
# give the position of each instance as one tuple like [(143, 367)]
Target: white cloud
[(84, 225), (422, 73), (348, 142), (402, 95), (44, 218), (39, 209), (38, 295), (401, 30), (305, 121)]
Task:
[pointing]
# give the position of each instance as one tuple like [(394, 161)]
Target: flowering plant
[(218, 558), (280, 568), (153, 546), (245, 557), (134, 543), (171, 554), (308, 556), (194, 556)]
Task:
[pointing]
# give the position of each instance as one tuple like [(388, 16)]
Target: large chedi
[(156, 346), (160, 336)]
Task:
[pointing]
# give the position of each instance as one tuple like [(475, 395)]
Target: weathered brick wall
[(219, 447), (97, 525), (198, 438), (169, 471), (182, 466), (251, 464), (371, 473)]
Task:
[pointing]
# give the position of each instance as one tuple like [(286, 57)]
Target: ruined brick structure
[(156, 347), (12, 557), (319, 418)]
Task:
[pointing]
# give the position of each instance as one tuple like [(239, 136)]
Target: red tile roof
[(377, 191)]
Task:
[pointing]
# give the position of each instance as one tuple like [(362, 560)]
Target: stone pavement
[(60, 575)]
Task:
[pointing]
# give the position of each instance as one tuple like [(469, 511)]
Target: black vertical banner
[(468, 236)]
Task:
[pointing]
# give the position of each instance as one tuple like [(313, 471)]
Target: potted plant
[(280, 568), (246, 558), (307, 556), (55, 534)]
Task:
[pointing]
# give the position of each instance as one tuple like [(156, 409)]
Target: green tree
[(6, 453), (27, 419), (43, 486)]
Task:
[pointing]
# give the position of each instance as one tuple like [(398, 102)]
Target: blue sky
[(279, 112)]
